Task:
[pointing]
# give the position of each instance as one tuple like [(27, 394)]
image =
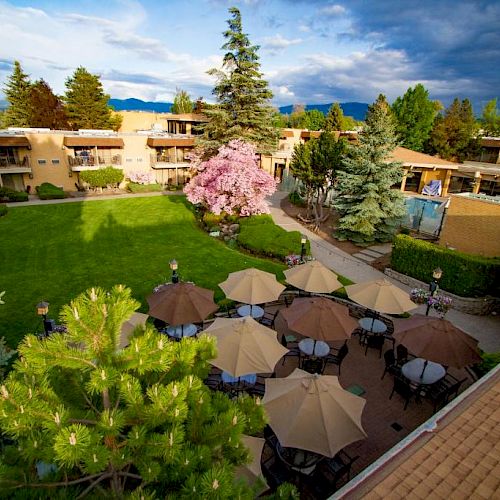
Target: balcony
[(13, 165), (160, 161), (93, 162)]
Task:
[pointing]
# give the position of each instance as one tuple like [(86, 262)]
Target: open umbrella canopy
[(313, 412), (129, 326), (436, 339), (319, 318), (381, 295), (245, 346), (252, 286), (252, 472), (181, 303), (313, 277)]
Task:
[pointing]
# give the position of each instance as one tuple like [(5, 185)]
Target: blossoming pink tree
[(232, 182)]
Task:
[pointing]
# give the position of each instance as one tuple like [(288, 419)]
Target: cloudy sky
[(311, 51)]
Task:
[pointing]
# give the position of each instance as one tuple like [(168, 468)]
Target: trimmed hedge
[(262, 236), (3, 210), (8, 194), (134, 187), (103, 177), (48, 191), (210, 219), (463, 274)]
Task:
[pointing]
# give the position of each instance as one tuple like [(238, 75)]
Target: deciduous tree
[(490, 119), (47, 110), (182, 103), (232, 182), (368, 204), (17, 92)]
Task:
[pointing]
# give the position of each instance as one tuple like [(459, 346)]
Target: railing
[(15, 162), (93, 161), (164, 158)]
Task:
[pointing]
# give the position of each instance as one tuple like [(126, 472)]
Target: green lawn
[(54, 252)]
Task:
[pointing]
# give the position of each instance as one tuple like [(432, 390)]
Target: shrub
[(134, 187), (3, 210), (8, 194), (463, 274), (47, 191), (296, 199), (103, 177), (140, 177), (262, 236)]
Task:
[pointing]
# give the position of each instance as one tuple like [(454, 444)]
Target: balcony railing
[(165, 158), (12, 162), (93, 161)]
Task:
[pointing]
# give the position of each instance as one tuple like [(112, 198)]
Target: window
[(139, 160), (172, 129), (129, 160), (55, 161), (181, 127), (42, 162)]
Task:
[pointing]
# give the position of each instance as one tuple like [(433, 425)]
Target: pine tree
[(415, 113), (83, 414), (491, 118), (86, 103), (368, 205), (334, 118), (47, 110), (243, 110), (182, 103), (17, 91)]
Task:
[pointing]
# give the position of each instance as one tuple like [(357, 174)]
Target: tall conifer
[(334, 117), (17, 91)]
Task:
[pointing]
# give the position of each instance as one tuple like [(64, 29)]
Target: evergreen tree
[(17, 92), (84, 415), (86, 103), (490, 119), (334, 118), (47, 110), (415, 113), (454, 135), (182, 103), (368, 205), (243, 110)]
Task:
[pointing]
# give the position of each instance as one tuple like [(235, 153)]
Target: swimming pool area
[(423, 215)]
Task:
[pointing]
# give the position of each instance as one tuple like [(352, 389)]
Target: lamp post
[(303, 241), (42, 309), (433, 286), (174, 266)]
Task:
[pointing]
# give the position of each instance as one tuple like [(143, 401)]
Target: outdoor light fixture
[(433, 286), (173, 267), (42, 309), (303, 241)]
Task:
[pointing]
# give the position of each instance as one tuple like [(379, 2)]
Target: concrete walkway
[(486, 329)]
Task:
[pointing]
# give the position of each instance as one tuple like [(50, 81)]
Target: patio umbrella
[(181, 303), (129, 326), (381, 296), (436, 339), (319, 318), (313, 412), (245, 346), (252, 286), (252, 472), (313, 277)]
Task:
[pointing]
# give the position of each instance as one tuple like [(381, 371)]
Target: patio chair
[(403, 387), (291, 343), (390, 364), (273, 469), (336, 359), (269, 318), (401, 354), (313, 365), (336, 470), (376, 342)]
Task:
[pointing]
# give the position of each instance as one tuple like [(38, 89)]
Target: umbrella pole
[(314, 347), (251, 310), (182, 331), (423, 370)]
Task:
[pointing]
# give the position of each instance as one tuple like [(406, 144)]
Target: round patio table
[(181, 331), (432, 373), (312, 347), (249, 378), (372, 325), (247, 310)]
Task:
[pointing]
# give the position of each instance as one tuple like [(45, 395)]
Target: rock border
[(481, 306)]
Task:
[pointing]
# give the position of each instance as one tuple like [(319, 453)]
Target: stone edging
[(481, 306)]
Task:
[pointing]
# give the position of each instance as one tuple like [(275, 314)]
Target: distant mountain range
[(355, 109)]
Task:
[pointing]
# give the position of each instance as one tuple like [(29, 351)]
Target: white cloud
[(279, 42), (333, 10)]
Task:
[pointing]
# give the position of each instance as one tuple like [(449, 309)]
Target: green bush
[(210, 219), (296, 199), (463, 274), (8, 194), (3, 210), (47, 191), (262, 236), (103, 177), (134, 187)]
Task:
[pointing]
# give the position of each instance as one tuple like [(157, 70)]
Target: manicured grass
[(54, 252)]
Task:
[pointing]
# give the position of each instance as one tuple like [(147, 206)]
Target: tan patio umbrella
[(382, 296), (252, 472), (181, 303), (313, 412), (245, 346), (252, 286), (436, 339), (319, 318), (129, 326), (313, 277)]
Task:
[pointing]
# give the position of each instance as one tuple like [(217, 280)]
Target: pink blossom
[(232, 182)]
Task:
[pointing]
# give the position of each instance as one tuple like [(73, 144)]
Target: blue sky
[(311, 51)]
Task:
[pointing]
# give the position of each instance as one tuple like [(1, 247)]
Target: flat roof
[(411, 158)]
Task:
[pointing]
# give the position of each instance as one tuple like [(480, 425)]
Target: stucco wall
[(472, 226)]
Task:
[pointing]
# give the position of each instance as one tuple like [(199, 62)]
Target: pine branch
[(62, 483), (82, 421), (90, 487)]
